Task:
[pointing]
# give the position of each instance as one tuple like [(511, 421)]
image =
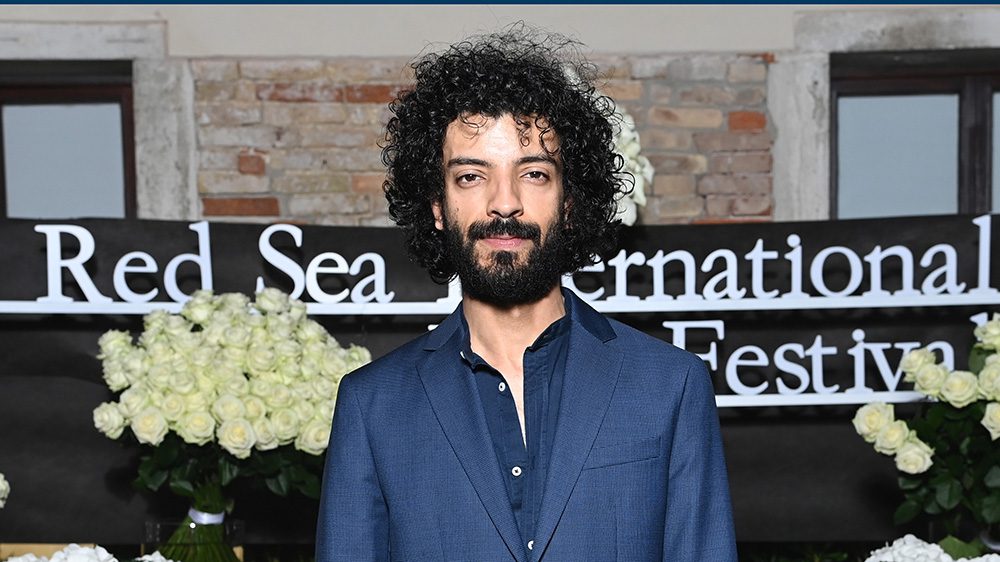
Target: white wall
[(257, 30)]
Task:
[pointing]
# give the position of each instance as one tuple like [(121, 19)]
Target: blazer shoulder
[(398, 363), (646, 348)]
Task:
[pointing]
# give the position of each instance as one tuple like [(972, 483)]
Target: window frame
[(73, 82), (971, 74)]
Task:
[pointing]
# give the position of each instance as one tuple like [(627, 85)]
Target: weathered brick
[(337, 220), (697, 67), (307, 91), (315, 182), (671, 206), (287, 70), (753, 205), (214, 91), (734, 184), (649, 66), (747, 71), (356, 69), (279, 113), (740, 162), (227, 113), (231, 182), (610, 67), (367, 183), (712, 141), (217, 158), (750, 96), (366, 113), (352, 159), (246, 90), (214, 69), (257, 136), (747, 120), (244, 206), (252, 162), (664, 139), (329, 204), (337, 136), (377, 220), (659, 92), (704, 94), (686, 117), (372, 93), (623, 89), (678, 163), (675, 185)]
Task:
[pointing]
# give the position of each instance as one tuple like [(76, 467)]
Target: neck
[(502, 333)]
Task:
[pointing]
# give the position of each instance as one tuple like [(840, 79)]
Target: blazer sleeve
[(699, 523), (353, 518)]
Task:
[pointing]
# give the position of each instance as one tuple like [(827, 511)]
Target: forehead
[(503, 133)]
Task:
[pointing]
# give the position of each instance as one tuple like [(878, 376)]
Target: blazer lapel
[(592, 371), (455, 402)]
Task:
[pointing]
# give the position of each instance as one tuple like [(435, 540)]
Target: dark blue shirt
[(524, 467)]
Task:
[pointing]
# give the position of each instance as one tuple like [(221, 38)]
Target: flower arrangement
[(225, 389), (947, 453), (912, 549), (640, 168), (77, 553), (4, 490)]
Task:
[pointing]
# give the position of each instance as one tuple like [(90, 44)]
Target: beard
[(507, 279)]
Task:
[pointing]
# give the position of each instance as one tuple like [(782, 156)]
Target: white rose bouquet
[(4, 490), (635, 164), (224, 389), (948, 451)]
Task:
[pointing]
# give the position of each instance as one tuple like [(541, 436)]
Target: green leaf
[(977, 358), (960, 549), (228, 471), (906, 512), (908, 483), (963, 447), (278, 484), (992, 478), (990, 509), (948, 494), (182, 487), (167, 453)]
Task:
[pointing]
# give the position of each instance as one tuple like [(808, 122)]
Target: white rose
[(115, 374), (303, 390), (325, 389), (286, 424), (108, 419), (297, 310), (989, 333), (233, 302), (260, 387), (196, 427), (991, 421), (914, 360), (77, 553), (237, 385), (287, 350), (149, 426), (358, 356), (136, 364), (237, 437), (272, 300), (891, 437), (183, 382), (333, 363), (172, 405), (280, 397), (324, 410), (266, 439), (310, 330), (313, 438), (228, 407), (960, 389), (930, 378), (133, 401), (4, 490), (989, 381), (26, 557), (200, 307), (304, 409), (280, 327), (114, 344), (256, 408), (914, 456), (198, 402), (160, 376), (237, 336), (871, 418), (260, 358)]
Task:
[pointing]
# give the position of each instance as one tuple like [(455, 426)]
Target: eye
[(537, 175), (467, 179)]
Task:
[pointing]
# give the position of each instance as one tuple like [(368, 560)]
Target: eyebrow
[(531, 159)]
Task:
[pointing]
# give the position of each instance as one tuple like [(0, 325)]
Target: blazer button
[(502, 387), (531, 545), (516, 471)]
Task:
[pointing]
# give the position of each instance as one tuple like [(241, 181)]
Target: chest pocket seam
[(623, 453)]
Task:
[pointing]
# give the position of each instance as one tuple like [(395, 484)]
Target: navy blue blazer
[(636, 473)]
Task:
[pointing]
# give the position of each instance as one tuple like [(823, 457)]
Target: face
[(503, 208)]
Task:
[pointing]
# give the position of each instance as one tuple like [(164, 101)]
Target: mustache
[(505, 227)]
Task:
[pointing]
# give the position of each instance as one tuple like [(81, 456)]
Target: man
[(526, 426)]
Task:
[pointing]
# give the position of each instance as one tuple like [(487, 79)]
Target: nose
[(505, 202)]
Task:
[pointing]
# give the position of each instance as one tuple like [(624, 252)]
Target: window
[(67, 139), (912, 133)]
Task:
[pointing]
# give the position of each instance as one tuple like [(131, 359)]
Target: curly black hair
[(534, 77)]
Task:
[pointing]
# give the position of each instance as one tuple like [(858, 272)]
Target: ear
[(438, 215)]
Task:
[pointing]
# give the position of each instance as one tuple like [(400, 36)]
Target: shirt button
[(531, 545), (516, 471), (461, 354), (502, 387)]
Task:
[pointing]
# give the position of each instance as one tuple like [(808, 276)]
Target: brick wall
[(295, 140)]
